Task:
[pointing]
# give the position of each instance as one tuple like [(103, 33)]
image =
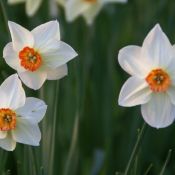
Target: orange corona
[(30, 59), (158, 80), (7, 119)]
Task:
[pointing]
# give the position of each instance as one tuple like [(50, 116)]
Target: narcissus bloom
[(31, 5), (152, 81), (38, 55), (89, 9), (61, 2), (19, 116)]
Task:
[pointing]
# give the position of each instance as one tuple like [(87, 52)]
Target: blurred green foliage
[(85, 132)]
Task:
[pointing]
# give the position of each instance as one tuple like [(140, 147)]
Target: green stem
[(166, 162), (148, 169), (52, 148), (4, 14), (4, 157), (135, 150), (73, 145)]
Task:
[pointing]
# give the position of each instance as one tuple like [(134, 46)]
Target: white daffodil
[(89, 9), (31, 5), (152, 81), (38, 55), (61, 2), (19, 116)]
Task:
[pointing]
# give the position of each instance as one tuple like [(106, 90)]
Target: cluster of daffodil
[(40, 55), (37, 56), (89, 9)]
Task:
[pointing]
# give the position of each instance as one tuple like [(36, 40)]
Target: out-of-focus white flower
[(152, 81), (53, 9), (38, 55), (31, 5), (61, 2), (89, 9), (19, 116)]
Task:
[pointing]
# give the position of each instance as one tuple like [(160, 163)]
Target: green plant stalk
[(5, 17), (148, 169), (166, 162), (135, 165), (52, 148), (3, 156), (73, 145), (135, 149)]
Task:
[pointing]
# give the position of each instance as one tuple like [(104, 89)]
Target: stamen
[(30, 59), (158, 80), (7, 119)]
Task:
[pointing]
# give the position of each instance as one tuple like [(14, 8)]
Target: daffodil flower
[(19, 116), (152, 81), (38, 55), (31, 5), (89, 9), (61, 2)]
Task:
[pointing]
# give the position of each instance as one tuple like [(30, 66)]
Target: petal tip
[(10, 23), (158, 27), (76, 54), (56, 21)]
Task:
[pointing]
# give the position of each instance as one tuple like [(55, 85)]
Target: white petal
[(34, 110), (15, 1), (46, 32), (92, 12), (12, 93), (21, 37), (33, 80), (26, 132), (61, 2), (32, 6), (157, 48), (59, 55), (172, 79), (11, 58), (171, 94), (74, 8), (3, 134), (53, 9), (170, 69), (135, 91), (8, 143), (131, 60), (58, 73), (158, 112)]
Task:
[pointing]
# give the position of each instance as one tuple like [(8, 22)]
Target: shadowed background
[(85, 132)]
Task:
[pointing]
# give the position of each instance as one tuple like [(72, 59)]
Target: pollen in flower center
[(158, 80), (7, 119), (30, 59)]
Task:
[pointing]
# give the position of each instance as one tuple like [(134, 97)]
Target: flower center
[(158, 80), (90, 1), (30, 59), (7, 119)]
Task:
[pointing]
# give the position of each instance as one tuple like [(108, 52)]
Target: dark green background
[(85, 132)]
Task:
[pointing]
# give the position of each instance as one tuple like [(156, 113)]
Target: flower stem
[(72, 146), (53, 137), (166, 162), (148, 169), (135, 149), (4, 14)]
